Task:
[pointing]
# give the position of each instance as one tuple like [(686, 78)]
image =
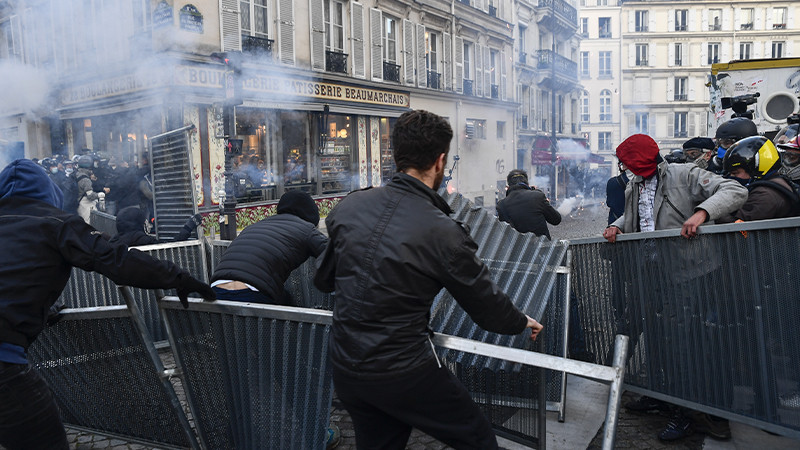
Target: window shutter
[(692, 126), (631, 55), (737, 19), (757, 50), (651, 25), (487, 72), (651, 124), (478, 4), (408, 51), (422, 70), (759, 19), (770, 13), (790, 22), (725, 52), (459, 59), (726, 19), (286, 31), (317, 15), (671, 55), (533, 116), (503, 75), (670, 88), (631, 21), (447, 71), (376, 43), (704, 20), (651, 57), (789, 51), (478, 82), (703, 53), (229, 25), (671, 20), (631, 124), (357, 33), (671, 125), (691, 94), (692, 19)]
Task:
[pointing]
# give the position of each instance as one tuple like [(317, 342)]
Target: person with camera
[(526, 208)]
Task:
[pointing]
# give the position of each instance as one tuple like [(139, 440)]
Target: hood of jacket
[(25, 178), (300, 204)]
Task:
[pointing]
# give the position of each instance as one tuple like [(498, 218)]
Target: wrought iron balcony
[(434, 79), (555, 70), (495, 91), (335, 62), (558, 16), (680, 134), (391, 72), (468, 87), (714, 27), (257, 46), (747, 26), (641, 61), (642, 28), (681, 97), (779, 26)]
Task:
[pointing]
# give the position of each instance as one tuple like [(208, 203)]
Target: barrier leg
[(615, 393)]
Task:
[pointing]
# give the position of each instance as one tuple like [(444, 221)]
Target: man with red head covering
[(703, 197), (662, 196)]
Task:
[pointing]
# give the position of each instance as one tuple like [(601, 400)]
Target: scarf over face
[(639, 153)]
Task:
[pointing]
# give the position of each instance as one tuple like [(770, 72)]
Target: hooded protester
[(35, 266), (258, 262)]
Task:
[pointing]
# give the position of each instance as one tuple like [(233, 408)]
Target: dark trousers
[(29, 416), (430, 399)]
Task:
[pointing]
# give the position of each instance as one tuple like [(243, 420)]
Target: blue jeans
[(29, 416)]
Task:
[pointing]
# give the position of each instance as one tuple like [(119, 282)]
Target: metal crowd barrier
[(103, 222), (90, 289), (107, 376), (713, 320), (527, 268)]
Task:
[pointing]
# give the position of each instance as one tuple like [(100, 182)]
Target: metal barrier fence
[(171, 168), (90, 289), (713, 321), (526, 267), (103, 222), (107, 376)]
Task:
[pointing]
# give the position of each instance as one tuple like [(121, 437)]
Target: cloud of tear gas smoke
[(567, 206), (540, 182), (26, 90)]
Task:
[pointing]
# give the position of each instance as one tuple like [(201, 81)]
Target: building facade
[(321, 84)]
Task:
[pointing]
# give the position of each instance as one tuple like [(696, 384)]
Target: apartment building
[(322, 82), (665, 55)]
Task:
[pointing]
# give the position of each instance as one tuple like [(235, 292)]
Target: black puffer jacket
[(42, 243), (391, 250), (527, 210), (266, 252)]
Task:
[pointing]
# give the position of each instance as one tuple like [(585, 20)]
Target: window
[(777, 49), (604, 27), (585, 64), (713, 53), (602, 2), (678, 54), (431, 51), (253, 18), (604, 141), (680, 88), (641, 20), (680, 19), (641, 54), (745, 50), (778, 20), (9, 30), (604, 64), (642, 123), (714, 19), (334, 26), (522, 47), (605, 105), (585, 27), (501, 130), (390, 39), (679, 130), (494, 61), (476, 129), (585, 118), (747, 19), (468, 47)]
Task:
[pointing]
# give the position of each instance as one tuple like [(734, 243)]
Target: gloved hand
[(189, 284), (194, 221)]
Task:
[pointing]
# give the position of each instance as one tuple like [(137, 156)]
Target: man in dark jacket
[(392, 249), (42, 243), (615, 193), (258, 262), (131, 228), (525, 207)]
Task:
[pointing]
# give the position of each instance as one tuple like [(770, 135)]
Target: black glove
[(189, 226), (189, 284)]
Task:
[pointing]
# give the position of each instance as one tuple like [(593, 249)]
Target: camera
[(793, 119), (739, 104)]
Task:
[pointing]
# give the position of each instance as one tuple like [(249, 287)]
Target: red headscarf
[(639, 154)]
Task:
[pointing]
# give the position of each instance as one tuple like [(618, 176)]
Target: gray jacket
[(682, 190)]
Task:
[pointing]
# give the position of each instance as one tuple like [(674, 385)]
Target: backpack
[(792, 193)]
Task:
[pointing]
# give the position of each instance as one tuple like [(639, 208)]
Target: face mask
[(701, 162), (68, 171), (54, 170), (721, 152)]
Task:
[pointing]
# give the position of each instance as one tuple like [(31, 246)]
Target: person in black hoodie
[(525, 207), (42, 243), (258, 262)]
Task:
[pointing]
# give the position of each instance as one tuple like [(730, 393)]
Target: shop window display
[(388, 167), (336, 155)]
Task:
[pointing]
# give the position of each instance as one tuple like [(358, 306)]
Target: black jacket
[(392, 249), (770, 198), (527, 210), (41, 244), (615, 196), (266, 253)]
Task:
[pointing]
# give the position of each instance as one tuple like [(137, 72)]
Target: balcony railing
[(604, 34), (779, 26), (391, 72), (641, 62), (257, 46), (492, 11), (680, 27), (641, 28), (434, 79), (680, 134), (681, 97), (335, 62), (747, 26), (468, 87), (678, 62), (714, 27), (495, 91), (563, 66), (562, 8)]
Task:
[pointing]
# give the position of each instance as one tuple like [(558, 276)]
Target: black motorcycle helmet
[(85, 162), (737, 128), (756, 154), (47, 163)]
